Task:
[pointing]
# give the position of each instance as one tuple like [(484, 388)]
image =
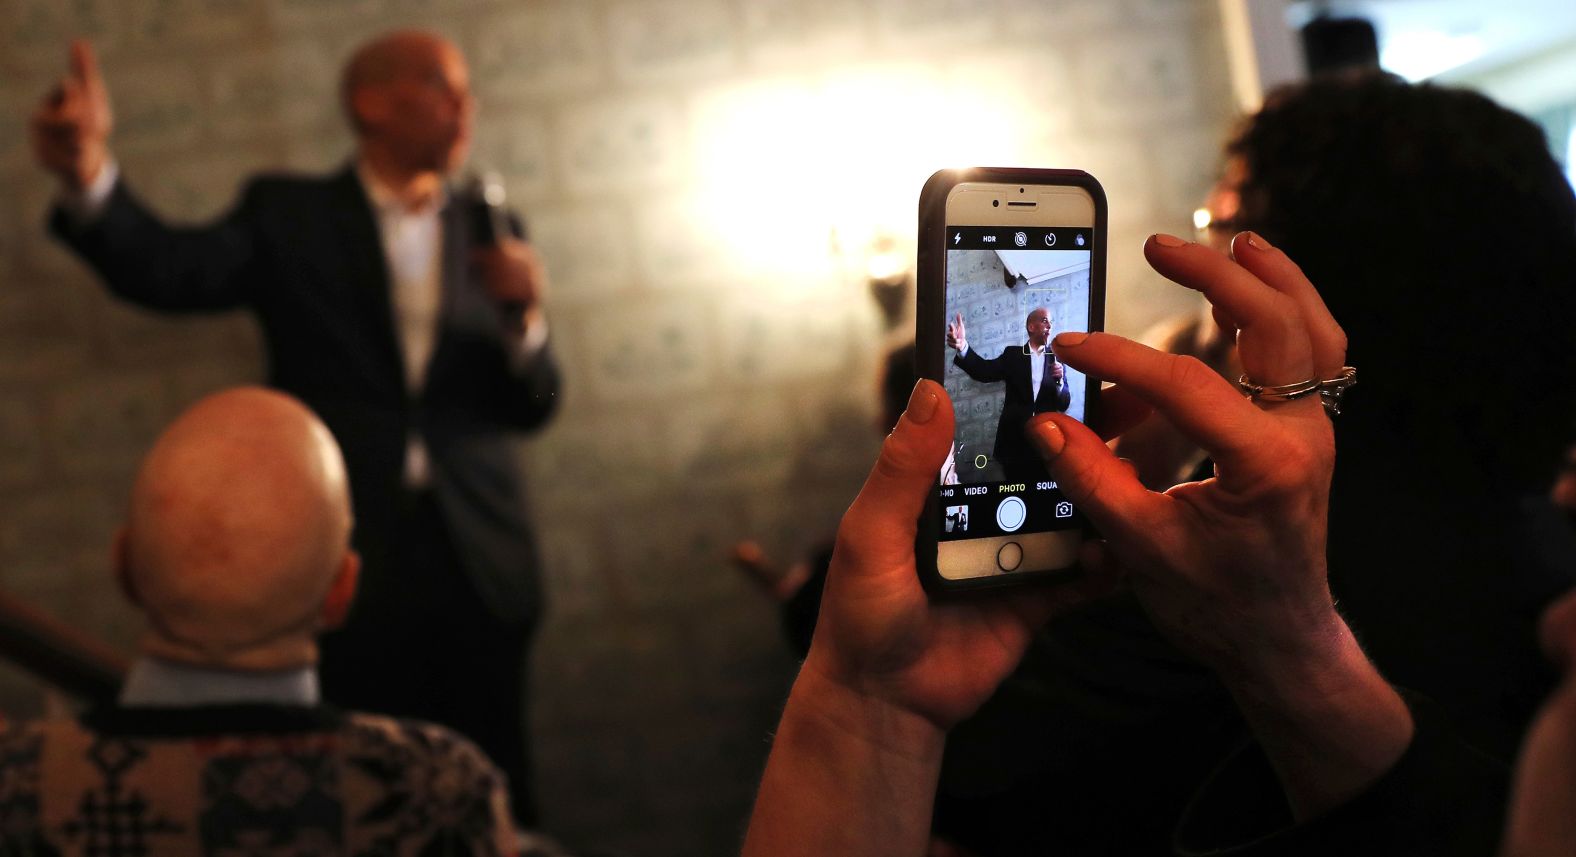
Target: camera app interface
[(1009, 291)]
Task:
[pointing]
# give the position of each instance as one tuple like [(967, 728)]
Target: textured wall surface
[(704, 177)]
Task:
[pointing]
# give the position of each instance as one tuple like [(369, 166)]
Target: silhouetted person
[(1431, 220)]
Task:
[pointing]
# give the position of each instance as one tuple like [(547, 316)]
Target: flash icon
[(957, 237)]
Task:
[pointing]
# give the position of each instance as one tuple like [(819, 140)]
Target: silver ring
[(1330, 390)]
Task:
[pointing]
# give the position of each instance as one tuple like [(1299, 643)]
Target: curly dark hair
[(1442, 235)]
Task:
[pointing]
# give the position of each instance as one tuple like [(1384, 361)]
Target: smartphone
[(1008, 259)]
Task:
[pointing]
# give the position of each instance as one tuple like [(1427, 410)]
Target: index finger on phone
[(1089, 473), (1204, 406)]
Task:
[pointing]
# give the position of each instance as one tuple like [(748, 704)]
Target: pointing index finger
[(84, 65)]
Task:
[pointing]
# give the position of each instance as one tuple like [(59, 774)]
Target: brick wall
[(719, 346)]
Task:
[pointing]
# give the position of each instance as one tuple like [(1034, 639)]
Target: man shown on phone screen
[(1036, 383)]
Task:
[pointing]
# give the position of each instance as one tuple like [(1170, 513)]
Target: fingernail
[(1048, 437), (1070, 339), (921, 404), (1165, 240), (1257, 242)]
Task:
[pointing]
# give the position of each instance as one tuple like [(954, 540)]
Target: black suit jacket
[(1012, 367), (304, 255)]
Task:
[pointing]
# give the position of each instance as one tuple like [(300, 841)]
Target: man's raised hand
[(71, 127), (957, 334)]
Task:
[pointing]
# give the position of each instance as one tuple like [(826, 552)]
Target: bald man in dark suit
[(1036, 383)]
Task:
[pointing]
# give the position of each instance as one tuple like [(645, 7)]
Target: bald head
[(239, 527), (1038, 325), (407, 93)]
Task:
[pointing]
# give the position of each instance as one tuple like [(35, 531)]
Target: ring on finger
[(1330, 390)]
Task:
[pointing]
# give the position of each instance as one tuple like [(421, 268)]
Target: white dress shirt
[(154, 683), (413, 247), (1036, 370)]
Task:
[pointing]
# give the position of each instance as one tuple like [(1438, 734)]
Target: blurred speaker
[(1339, 44)]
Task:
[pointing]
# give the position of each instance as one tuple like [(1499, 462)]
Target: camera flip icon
[(1064, 509)]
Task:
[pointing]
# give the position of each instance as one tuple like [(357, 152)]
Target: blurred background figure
[(415, 332)]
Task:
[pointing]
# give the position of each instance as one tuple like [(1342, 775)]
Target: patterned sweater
[(239, 780)]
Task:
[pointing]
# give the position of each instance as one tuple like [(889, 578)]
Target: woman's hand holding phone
[(878, 634), (1233, 568), (855, 759), (1241, 554)]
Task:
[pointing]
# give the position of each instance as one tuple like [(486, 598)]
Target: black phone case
[(930, 347)]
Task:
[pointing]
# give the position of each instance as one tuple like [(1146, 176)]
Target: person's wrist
[(827, 698), (1294, 661), (86, 170), (1328, 720)]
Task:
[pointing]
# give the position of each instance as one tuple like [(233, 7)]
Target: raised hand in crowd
[(71, 127)]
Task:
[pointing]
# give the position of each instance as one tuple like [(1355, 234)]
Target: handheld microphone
[(489, 216)]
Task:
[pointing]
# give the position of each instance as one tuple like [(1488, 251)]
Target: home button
[(1010, 556)]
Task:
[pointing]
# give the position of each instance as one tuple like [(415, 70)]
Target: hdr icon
[(1064, 509)]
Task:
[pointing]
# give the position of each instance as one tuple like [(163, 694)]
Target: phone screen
[(1010, 290)]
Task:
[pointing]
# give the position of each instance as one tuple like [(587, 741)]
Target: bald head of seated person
[(237, 549), (237, 543)]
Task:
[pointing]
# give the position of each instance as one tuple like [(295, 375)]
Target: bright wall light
[(1420, 54), (785, 168)]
